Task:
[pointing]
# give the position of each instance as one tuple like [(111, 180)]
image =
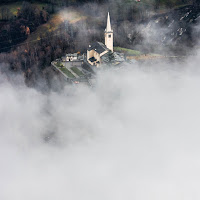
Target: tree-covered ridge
[(150, 3)]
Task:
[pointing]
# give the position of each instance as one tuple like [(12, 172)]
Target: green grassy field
[(67, 72), (127, 51), (77, 71)]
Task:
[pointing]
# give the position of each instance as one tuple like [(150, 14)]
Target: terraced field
[(77, 71), (65, 71)]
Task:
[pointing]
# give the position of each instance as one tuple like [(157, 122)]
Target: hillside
[(44, 36), (70, 16)]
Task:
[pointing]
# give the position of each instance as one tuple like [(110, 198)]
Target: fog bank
[(134, 136)]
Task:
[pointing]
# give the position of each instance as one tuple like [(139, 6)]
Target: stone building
[(97, 50)]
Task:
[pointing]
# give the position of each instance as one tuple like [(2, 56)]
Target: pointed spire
[(108, 28)]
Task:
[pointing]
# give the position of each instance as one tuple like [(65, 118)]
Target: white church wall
[(108, 44)]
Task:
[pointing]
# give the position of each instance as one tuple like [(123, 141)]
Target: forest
[(155, 3)]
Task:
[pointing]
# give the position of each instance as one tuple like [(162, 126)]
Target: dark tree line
[(56, 2), (196, 2), (33, 58)]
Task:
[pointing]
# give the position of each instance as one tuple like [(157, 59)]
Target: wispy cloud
[(134, 136)]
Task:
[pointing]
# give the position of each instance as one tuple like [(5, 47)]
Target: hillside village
[(77, 68), (35, 33)]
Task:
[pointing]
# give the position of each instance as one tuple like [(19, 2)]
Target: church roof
[(98, 47)]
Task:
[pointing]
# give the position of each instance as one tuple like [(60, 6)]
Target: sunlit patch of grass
[(12, 7), (55, 20), (146, 57), (72, 16), (127, 51)]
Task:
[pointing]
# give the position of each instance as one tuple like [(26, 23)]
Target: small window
[(109, 36)]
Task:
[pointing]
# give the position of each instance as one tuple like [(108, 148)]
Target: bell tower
[(109, 35)]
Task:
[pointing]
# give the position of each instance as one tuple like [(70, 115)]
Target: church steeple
[(108, 28), (109, 35)]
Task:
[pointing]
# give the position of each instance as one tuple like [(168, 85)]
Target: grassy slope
[(70, 15), (50, 26), (127, 51), (137, 55), (146, 57)]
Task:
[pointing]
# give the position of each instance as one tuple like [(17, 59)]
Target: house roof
[(98, 47)]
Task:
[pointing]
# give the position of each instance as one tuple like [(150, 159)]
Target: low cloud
[(134, 136)]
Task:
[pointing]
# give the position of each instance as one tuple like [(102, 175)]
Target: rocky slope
[(175, 29)]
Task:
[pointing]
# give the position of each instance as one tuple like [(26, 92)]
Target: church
[(97, 53), (78, 68)]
